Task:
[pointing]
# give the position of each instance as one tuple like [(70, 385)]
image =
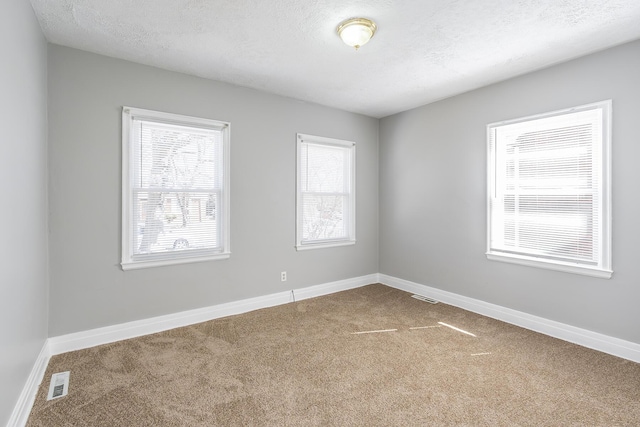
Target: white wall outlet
[(283, 276)]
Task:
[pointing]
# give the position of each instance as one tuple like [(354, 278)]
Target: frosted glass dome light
[(356, 32)]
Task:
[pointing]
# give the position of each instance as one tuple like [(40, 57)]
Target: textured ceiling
[(424, 50)]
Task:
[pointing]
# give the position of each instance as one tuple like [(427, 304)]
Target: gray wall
[(88, 288), (23, 173), (433, 195)]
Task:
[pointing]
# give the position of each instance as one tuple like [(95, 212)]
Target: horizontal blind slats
[(547, 194), (325, 180), (176, 186)]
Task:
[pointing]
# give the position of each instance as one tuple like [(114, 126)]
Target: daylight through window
[(549, 190), (326, 192), (175, 189)]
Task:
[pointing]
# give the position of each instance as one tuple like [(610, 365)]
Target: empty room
[(376, 213)]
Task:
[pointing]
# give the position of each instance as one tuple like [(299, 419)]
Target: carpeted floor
[(318, 362)]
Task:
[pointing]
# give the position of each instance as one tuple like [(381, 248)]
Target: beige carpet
[(307, 364)]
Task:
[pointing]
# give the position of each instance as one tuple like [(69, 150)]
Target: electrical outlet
[(283, 276)]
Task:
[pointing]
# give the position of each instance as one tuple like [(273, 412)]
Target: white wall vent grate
[(59, 386), (425, 299)]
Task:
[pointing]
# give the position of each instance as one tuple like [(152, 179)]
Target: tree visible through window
[(175, 188), (549, 190), (326, 202)]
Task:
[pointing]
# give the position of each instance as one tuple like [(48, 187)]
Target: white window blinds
[(175, 190), (326, 197), (548, 188)]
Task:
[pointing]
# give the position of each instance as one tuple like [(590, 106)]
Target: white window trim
[(157, 260), (328, 243), (605, 269)]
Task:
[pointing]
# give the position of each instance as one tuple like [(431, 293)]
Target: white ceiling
[(424, 50)]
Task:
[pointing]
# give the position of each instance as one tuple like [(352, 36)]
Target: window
[(175, 189), (549, 190), (325, 210)]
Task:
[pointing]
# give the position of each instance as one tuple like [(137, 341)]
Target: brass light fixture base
[(356, 31)]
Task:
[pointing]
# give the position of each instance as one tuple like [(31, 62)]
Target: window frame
[(603, 269), (129, 261), (301, 244)]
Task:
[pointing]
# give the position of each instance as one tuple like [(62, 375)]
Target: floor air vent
[(425, 299), (59, 386)]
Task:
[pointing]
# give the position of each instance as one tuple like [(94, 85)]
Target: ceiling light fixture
[(356, 32)]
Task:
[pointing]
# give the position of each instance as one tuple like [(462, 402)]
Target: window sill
[(551, 265), (134, 265), (321, 245)]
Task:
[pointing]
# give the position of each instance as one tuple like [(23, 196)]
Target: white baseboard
[(596, 341), (108, 334), (80, 340), (21, 411), (333, 287)]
